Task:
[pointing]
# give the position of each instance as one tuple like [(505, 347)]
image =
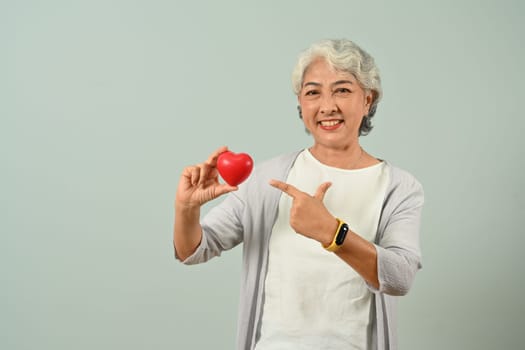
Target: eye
[(342, 91), (311, 93)]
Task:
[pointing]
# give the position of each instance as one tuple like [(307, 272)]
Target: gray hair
[(343, 55)]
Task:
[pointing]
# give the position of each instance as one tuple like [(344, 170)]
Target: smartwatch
[(339, 237)]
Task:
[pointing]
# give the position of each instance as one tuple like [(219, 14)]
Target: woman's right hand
[(200, 183)]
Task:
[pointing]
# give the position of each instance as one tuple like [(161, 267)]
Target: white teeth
[(330, 122)]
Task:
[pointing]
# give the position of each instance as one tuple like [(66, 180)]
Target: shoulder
[(256, 189), (264, 171), (278, 162), (402, 184), (275, 167)]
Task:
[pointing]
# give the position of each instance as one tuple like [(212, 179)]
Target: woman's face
[(332, 105)]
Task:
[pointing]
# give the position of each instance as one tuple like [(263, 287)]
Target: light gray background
[(103, 103)]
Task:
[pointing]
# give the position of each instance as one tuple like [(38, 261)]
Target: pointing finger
[(286, 188)]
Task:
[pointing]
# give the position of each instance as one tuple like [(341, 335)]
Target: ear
[(370, 97), (299, 111)]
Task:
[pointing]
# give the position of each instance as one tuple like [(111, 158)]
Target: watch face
[(341, 235)]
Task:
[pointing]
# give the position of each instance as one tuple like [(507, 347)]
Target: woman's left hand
[(308, 215)]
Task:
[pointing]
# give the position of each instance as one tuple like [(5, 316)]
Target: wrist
[(329, 232), (338, 237), (187, 208)]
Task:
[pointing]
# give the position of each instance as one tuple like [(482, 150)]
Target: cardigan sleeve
[(221, 230), (397, 246)]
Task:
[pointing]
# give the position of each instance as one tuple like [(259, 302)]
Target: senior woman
[(330, 232)]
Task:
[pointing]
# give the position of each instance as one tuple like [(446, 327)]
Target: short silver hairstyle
[(343, 55)]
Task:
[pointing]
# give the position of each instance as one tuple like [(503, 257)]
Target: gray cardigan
[(248, 216)]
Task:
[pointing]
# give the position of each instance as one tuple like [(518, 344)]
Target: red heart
[(234, 168)]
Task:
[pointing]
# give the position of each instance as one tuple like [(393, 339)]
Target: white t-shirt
[(312, 298)]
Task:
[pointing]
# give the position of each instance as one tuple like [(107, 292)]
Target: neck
[(350, 157)]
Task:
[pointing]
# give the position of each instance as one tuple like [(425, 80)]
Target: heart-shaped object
[(234, 168)]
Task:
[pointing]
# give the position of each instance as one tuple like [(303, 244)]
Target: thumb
[(321, 190), (223, 189)]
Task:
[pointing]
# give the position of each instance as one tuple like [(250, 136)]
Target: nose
[(328, 105)]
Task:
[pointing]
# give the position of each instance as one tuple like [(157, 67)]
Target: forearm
[(187, 231), (361, 255), (356, 251), (390, 271)]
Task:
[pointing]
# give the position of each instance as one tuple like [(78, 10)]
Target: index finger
[(212, 159), (286, 188)]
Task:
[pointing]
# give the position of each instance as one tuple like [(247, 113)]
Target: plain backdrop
[(103, 103)]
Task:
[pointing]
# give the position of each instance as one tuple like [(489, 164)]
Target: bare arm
[(187, 232), (361, 255), (198, 185)]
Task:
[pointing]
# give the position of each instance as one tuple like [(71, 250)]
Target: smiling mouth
[(330, 124)]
